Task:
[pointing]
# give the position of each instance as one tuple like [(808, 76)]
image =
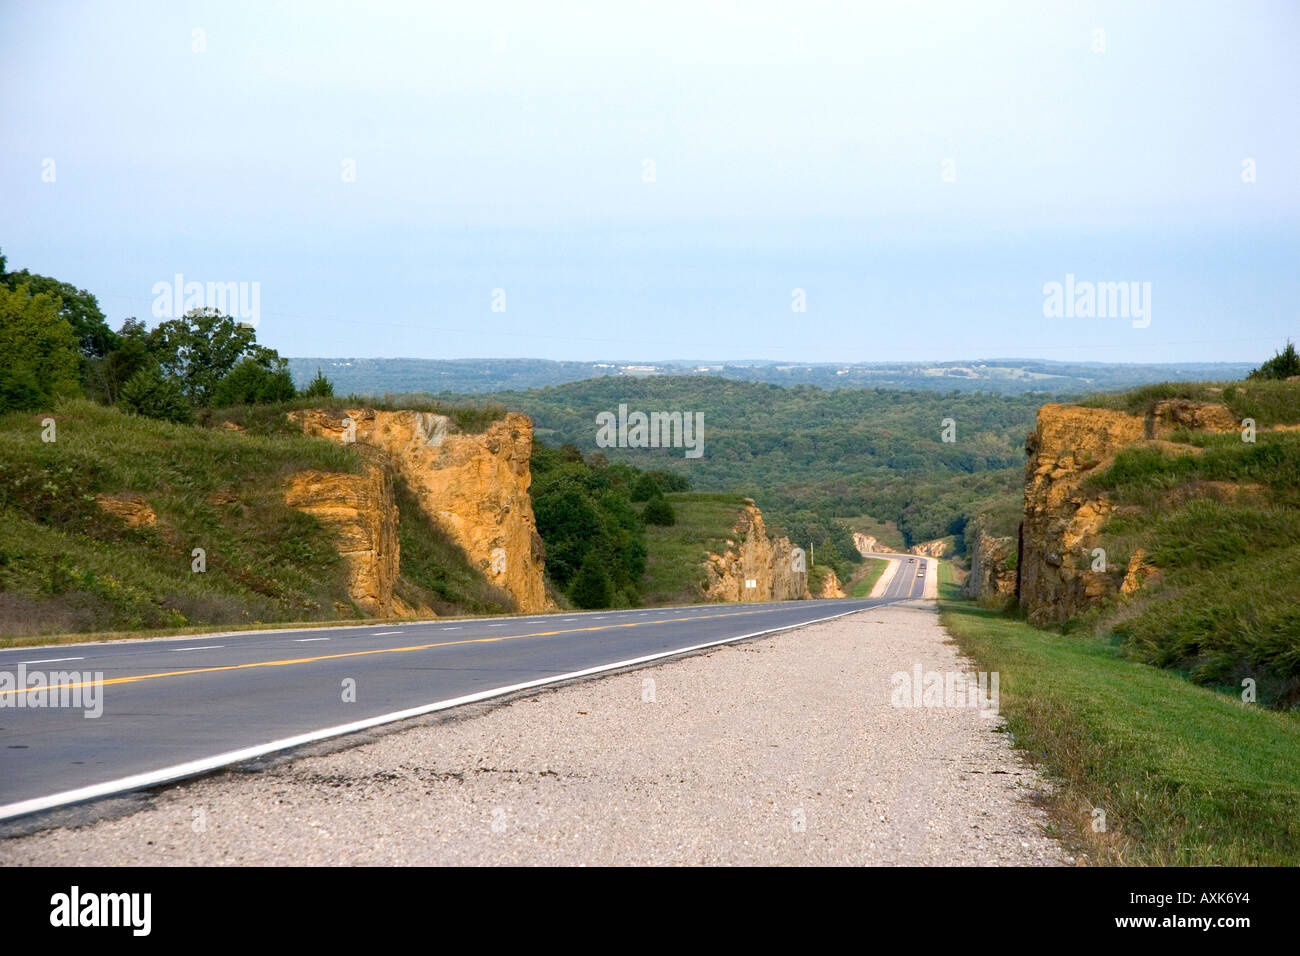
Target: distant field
[(1184, 775)]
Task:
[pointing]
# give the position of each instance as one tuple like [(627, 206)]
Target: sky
[(813, 182)]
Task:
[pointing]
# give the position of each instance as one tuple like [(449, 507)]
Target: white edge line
[(203, 765)]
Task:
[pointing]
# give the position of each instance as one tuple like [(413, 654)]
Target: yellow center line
[(377, 650)]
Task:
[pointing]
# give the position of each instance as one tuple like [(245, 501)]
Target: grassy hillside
[(1185, 776), (704, 523), (1223, 527), (66, 566)]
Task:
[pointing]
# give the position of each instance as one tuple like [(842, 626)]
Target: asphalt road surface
[(178, 707)]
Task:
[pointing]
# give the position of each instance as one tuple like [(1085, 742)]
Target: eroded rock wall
[(472, 485), (1062, 521), (362, 512), (754, 557)]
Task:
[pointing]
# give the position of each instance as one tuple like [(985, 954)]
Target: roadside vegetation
[(861, 587), (1185, 776), (1223, 528)]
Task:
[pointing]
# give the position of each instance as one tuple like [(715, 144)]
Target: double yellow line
[(378, 650)]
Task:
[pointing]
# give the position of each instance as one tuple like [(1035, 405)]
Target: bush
[(592, 587), (659, 511), (319, 387), (152, 394), (253, 383), (1284, 364)]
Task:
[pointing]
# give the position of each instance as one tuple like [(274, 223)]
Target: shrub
[(253, 383), (592, 587), (659, 511), (154, 395)]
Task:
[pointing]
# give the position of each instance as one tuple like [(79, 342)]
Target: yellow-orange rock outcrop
[(472, 485), (362, 512), (754, 567)]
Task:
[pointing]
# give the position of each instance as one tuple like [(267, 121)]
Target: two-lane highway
[(178, 707)]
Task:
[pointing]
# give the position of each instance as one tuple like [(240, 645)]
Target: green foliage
[(319, 387), (658, 511), (152, 394), (41, 360), (77, 306), (1188, 777), (1223, 527), (591, 586), (834, 453), (583, 509), (69, 567), (201, 348), (1266, 401), (1283, 365), (252, 382)]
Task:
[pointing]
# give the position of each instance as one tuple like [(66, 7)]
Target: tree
[(592, 587), (646, 488), (81, 309), (659, 511), (252, 383), (202, 348), (319, 387), (1284, 364), (131, 355), (153, 394), (41, 358)]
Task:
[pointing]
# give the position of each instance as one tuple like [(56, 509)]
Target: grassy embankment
[(68, 568), (1185, 775), (673, 566), (862, 585)]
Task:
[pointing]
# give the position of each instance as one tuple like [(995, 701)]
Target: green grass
[(67, 568), (471, 417), (1185, 775), (1267, 402), (861, 588), (673, 566), (1224, 528), (885, 532)]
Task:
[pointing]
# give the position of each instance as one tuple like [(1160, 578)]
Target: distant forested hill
[(1009, 376), (809, 455)]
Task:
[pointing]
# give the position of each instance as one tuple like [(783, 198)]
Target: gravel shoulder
[(782, 750)]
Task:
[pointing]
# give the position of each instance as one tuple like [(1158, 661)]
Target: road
[(178, 707)]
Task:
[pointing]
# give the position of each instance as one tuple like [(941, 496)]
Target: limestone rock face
[(362, 512), (1061, 524), (1179, 413), (130, 507), (1139, 573), (930, 549), (831, 587), (865, 543), (473, 486), (989, 554), (754, 557)]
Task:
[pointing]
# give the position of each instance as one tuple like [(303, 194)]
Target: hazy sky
[(919, 170)]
